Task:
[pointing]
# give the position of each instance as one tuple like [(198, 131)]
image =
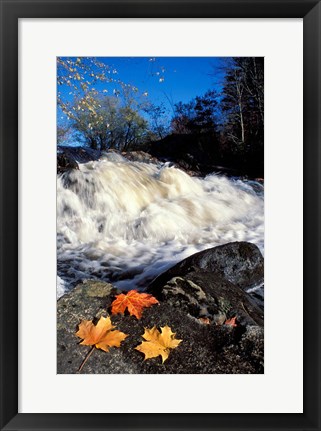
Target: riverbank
[(180, 151)]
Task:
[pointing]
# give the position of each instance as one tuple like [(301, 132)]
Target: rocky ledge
[(196, 297), (69, 157)]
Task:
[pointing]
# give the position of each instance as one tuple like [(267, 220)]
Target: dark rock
[(64, 163), (252, 344), (240, 263), (69, 157), (206, 348), (206, 294), (145, 157), (140, 156), (86, 301)]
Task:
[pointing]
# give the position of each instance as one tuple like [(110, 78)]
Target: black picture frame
[(11, 11)]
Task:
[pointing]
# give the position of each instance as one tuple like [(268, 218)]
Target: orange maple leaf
[(231, 322), (158, 343), (134, 302), (102, 335)]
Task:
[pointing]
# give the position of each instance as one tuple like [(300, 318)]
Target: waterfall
[(126, 222)]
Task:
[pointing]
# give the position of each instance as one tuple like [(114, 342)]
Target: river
[(126, 222)]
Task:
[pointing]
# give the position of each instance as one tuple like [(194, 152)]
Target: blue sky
[(174, 78), (166, 80)]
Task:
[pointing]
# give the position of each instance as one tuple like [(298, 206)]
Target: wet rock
[(69, 157), (140, 156), (240, 263), (65, 163)]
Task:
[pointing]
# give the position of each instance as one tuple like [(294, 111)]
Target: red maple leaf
[(134, 302), (231, 322)]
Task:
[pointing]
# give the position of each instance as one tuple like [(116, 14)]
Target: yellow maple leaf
[(102, 335), (158, 343)]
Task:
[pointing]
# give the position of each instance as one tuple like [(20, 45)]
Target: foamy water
[(126, 222)]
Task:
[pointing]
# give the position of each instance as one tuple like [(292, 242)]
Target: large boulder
[(197, 305), (205, 295), (240, 263)]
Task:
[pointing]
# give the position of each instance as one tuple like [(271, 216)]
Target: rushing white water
[(126, 222)]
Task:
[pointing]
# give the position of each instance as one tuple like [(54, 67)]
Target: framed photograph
[(160, 215)]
